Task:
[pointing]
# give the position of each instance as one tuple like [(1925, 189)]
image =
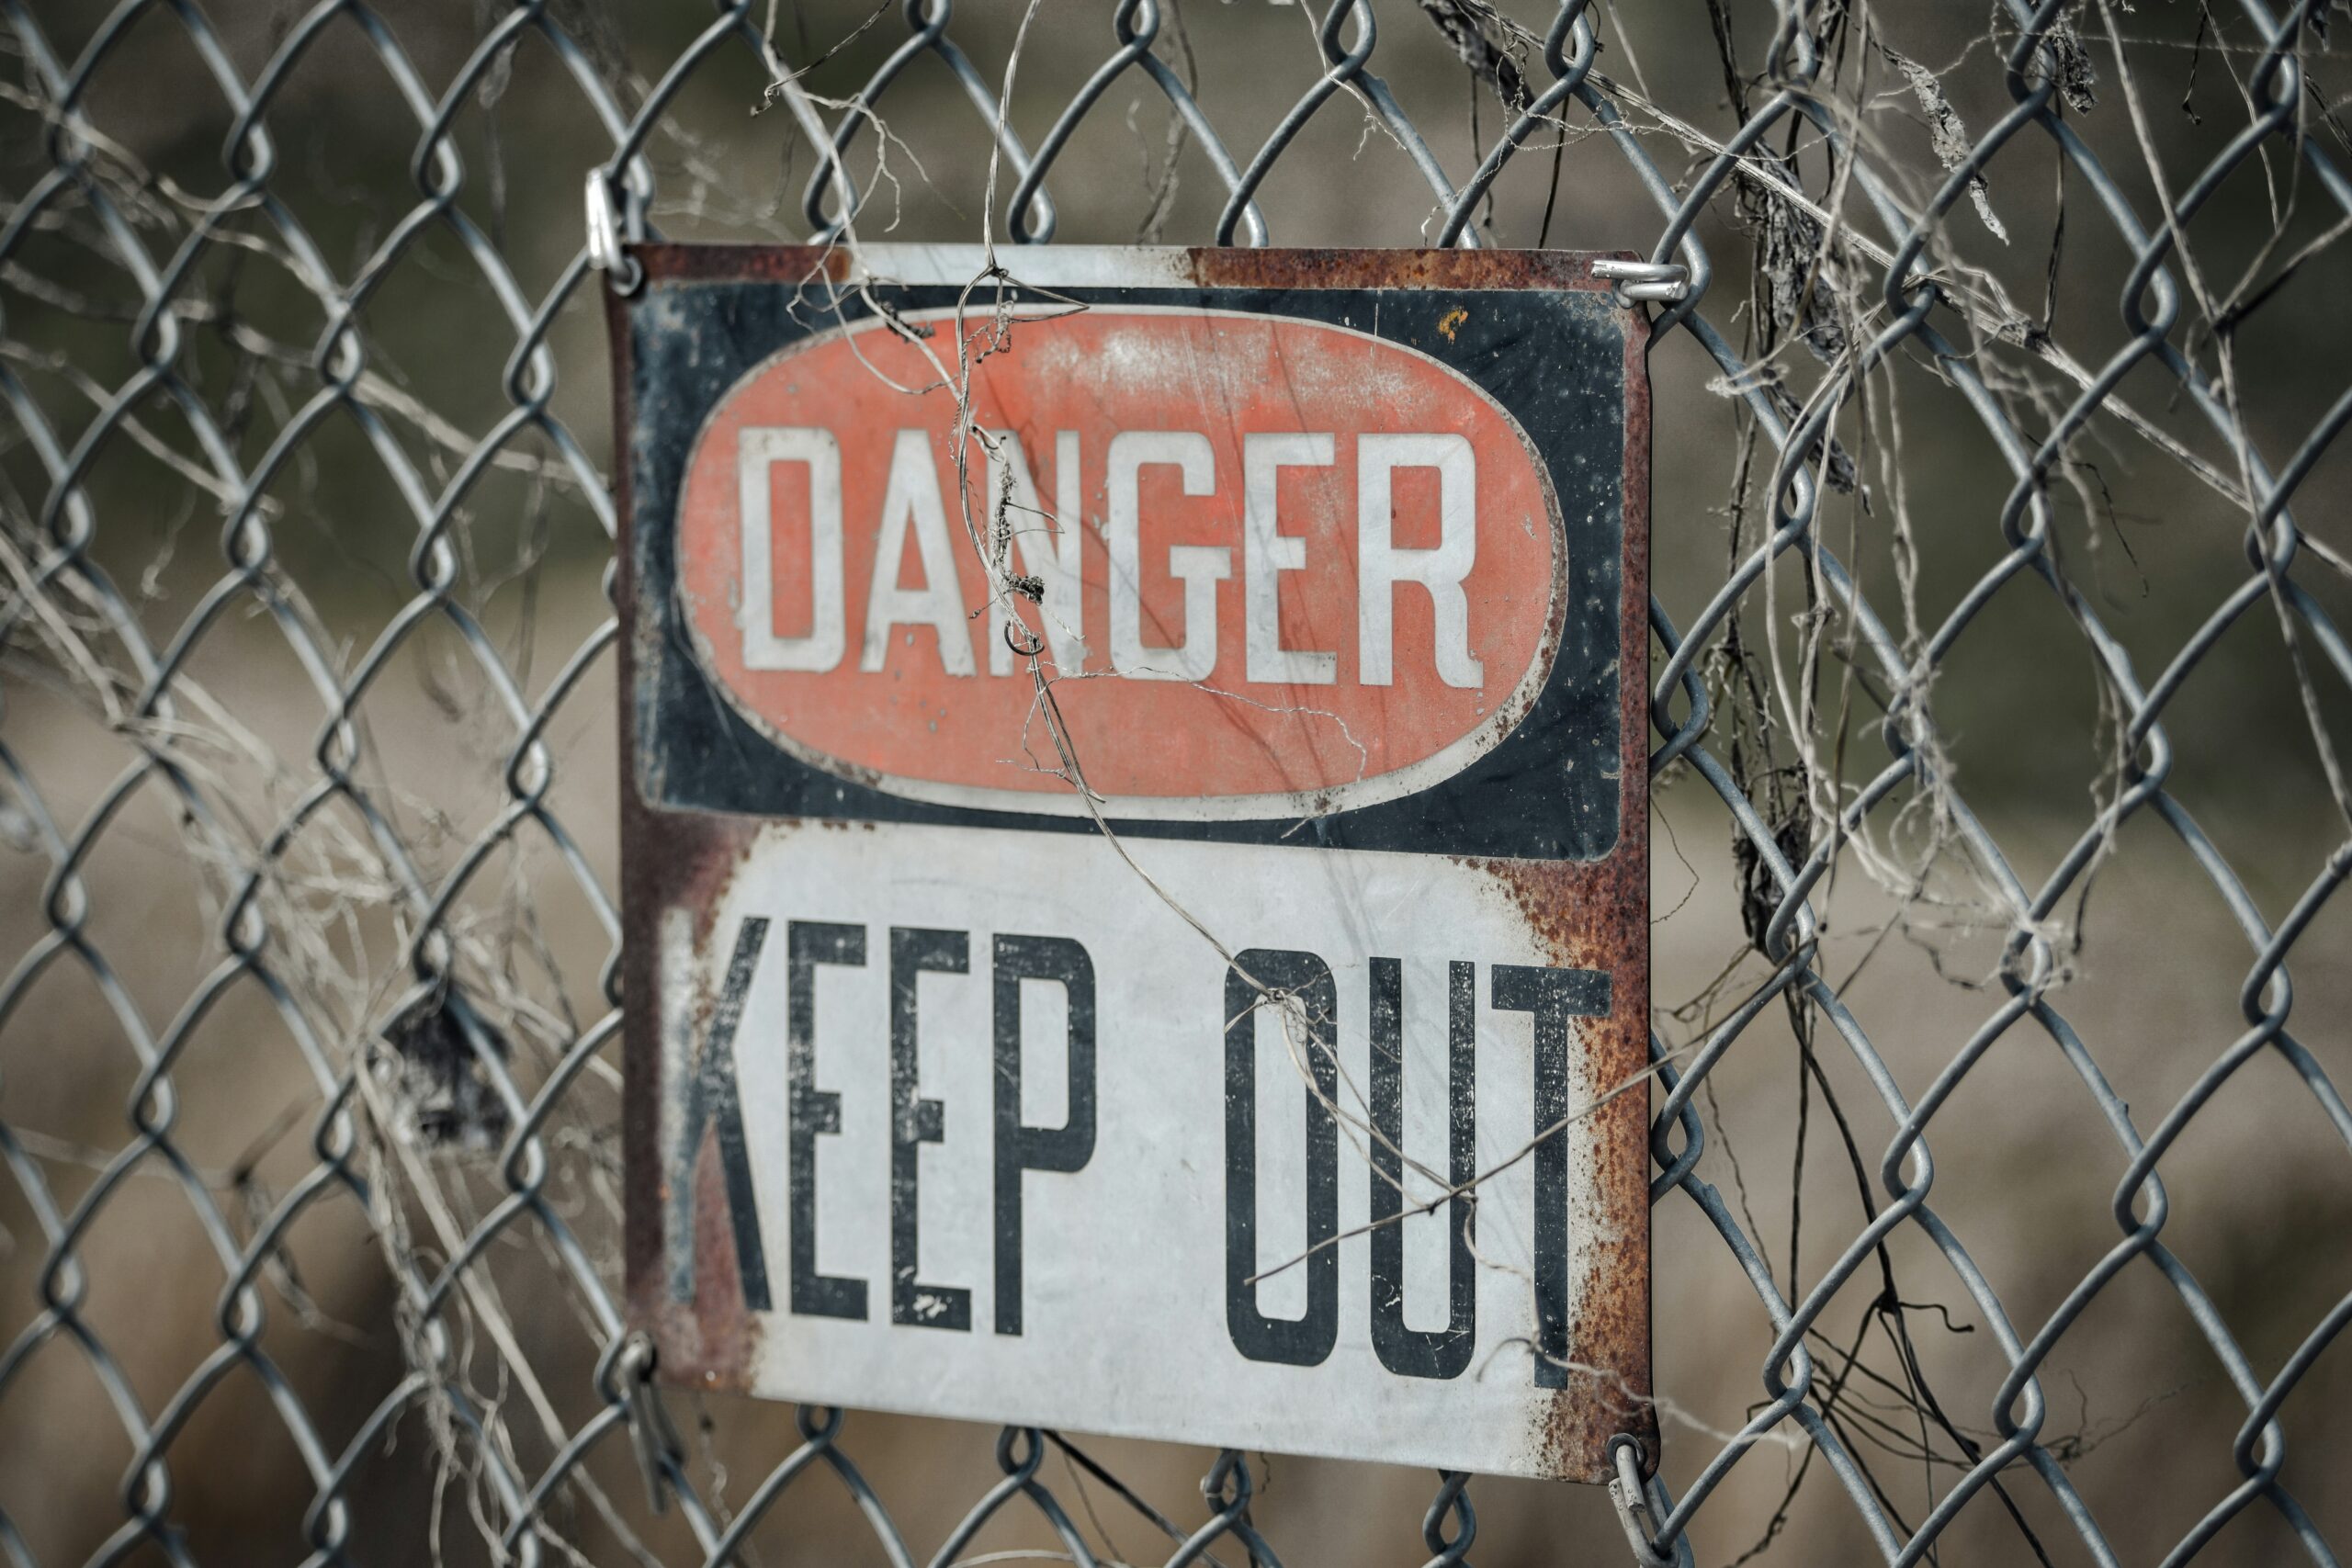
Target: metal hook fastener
[(621, 270), (1645, 280), (1626, 1491), (649, 1432)]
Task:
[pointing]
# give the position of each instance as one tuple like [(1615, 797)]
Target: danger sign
[(1133, 847)]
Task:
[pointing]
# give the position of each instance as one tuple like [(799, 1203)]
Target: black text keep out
[(1263, 987)]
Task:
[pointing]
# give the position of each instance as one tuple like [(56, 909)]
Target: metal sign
[(1134, 841)]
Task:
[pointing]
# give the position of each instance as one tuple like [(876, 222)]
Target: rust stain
[(726, 264), (1324, 268), (1597, 915), (712, 1340), (678, 861), (670, 860), (1451, 323), (1207, 267)]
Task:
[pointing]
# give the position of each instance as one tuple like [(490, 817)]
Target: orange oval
[(1285, 567)]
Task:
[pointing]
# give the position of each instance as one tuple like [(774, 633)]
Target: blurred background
[(309, 1075)]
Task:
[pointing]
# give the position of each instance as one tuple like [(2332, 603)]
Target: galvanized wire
[(1923, 310)]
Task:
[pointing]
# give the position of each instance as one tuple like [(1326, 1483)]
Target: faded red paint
[(1097, 374)]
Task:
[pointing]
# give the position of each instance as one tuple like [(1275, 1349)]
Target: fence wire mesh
[(1991, 381)]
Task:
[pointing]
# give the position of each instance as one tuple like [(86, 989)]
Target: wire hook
[(624, 272), (1631, 1498), (650, 1433), (1638, 280)]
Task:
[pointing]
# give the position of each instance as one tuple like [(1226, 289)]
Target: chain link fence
[(1998, 349)]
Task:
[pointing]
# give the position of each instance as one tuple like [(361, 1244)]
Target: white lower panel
[(1126, 1320)]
